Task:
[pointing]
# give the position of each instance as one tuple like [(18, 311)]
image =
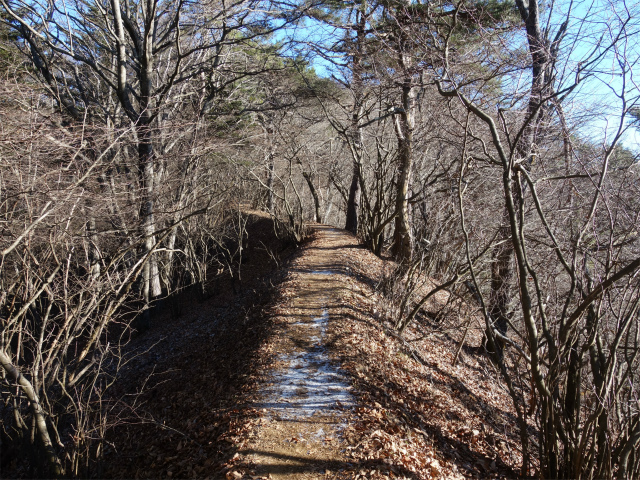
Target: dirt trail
[(303, 406), (241, 386)]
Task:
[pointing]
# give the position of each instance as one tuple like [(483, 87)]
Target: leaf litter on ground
[(411, 420)]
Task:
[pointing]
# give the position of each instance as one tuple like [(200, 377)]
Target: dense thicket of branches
[(450, 134)]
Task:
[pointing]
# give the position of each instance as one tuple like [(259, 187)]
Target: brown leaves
[(418, 421), (190, 424), (413, 421)]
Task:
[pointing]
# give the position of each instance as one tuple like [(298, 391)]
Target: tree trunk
[(146, 158), (94, 251), (267, 125), (404, 124), (501, 279), (151, 287), (353, 201), (271, 198), (317, 216), (53, 462), (502, 267)]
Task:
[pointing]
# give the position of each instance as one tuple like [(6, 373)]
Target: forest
[(490, 146)]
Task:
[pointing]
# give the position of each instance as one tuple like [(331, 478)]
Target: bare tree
[(574, 334), (102, 169), (56, 304), (147, 55)]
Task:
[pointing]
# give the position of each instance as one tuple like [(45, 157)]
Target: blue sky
[(593, 24)]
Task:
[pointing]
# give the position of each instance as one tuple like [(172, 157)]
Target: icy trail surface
[(304, 403), (310, 383)]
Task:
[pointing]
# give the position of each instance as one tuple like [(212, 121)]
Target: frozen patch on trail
[(308, 384)]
